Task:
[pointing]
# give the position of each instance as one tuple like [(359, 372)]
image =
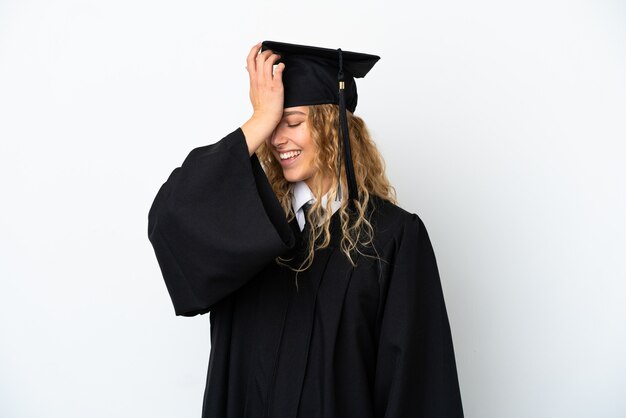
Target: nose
[(278, 139)]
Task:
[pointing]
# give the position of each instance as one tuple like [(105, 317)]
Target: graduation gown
[(367, 341)]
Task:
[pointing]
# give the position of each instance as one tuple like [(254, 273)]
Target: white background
[(502, 124)]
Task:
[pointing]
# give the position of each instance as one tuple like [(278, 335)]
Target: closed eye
[(293, 126)]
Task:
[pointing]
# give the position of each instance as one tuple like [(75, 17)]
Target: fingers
[(268, 66), (261, 60), (250, 61), (278, 72), (260, 66)]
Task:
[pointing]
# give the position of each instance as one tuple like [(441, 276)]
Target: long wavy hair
[(357, 232)]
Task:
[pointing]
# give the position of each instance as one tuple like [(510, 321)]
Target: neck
[(326, 182)]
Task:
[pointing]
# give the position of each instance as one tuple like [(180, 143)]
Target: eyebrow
[(293, 112)]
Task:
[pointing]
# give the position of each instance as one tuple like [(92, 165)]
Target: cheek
[(307, 141), (308, 164)]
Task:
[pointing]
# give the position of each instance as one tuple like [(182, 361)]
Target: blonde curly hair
[(369, 168)]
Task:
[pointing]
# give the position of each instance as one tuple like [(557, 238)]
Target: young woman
[(324, 295)]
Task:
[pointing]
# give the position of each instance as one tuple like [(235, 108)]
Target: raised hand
[(266, 96)]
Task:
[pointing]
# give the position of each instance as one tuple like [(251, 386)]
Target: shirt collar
[(302, 194)]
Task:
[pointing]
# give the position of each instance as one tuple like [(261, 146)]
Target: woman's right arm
[(216, 221)]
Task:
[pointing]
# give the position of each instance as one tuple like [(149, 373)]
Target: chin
[(293, 177)]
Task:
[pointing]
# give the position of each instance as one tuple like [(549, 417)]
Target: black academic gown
[(365, 341)]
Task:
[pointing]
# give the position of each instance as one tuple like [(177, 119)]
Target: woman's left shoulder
[(389, 219)]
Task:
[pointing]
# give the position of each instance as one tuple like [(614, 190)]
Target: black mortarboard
[(314, 75)]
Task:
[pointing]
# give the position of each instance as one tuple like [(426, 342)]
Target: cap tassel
[(345, 138), (339, 196)]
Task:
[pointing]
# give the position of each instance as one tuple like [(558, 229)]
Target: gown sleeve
[(416, 372), (214, 224)]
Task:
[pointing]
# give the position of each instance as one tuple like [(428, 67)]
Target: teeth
[(290, 154)]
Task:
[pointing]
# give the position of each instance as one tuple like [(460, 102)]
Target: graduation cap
[(314, 75)]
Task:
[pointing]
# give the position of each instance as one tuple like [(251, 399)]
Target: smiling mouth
[(290, 155)]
